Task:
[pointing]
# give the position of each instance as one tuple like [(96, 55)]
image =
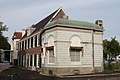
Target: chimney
[(99, 23), (23, 32)]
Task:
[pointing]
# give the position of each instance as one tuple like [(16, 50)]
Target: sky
[(19, 14)]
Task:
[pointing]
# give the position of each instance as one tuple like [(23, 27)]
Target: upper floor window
[(36, 41), (22, 45), (25, 44), (31, 42), (28, 43)]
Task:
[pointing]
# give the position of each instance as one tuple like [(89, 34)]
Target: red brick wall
[(30, 51)]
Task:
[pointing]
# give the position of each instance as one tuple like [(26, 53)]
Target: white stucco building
[(14, 47), (71, 47), (60, 46)]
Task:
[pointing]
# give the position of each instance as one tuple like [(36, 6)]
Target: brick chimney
[(99, 23)]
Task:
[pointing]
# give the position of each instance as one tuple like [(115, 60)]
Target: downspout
[(40, 43), (93, 63)]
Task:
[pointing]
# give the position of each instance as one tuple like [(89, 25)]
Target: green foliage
[(4, 43), (114, 47), (3, 28), (112, 67), (111, 48)]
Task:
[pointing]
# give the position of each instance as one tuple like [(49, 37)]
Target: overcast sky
[(18, 14)]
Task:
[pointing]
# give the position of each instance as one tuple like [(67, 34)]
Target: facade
[(60, 46), (14, 47)]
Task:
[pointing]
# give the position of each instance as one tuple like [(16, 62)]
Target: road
[(4, 66)]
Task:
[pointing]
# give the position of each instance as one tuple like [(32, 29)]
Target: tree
[(3, 41), (111, 48), (114, 47), (4, 44), (106, 50), (3, 28)]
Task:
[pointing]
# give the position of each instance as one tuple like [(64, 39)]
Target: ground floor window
[(35, 58), (39, 60), (27, 60), (51, 54), (75, 53), (30, 60)]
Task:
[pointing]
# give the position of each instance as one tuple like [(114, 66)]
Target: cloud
[(25, 12)]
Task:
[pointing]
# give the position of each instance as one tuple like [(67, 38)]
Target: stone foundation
[(68, 70)]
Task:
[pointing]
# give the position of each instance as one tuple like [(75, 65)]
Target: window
[(25, 44), (32, 42), (36, 41), (51, 54), (31, 60), (75, 53), (39, 39), (22, 45), (27, 60), (39, 60), (28, 43), (35, 58)]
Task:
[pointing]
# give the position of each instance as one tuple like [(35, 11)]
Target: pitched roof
[(17, 35), (74, 23), (24, 36), (59, 13)]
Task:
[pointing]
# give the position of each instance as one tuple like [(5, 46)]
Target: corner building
[(60, 46)]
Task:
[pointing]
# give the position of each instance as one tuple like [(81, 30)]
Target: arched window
[(50, 48), (51, 40), (75, 41), (75, 48)]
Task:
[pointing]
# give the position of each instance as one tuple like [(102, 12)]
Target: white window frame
[(48, 50), (81, 53), (75, 56)]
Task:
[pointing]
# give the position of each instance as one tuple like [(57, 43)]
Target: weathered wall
[(62, 43)]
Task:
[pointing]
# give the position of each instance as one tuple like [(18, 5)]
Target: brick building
[(60, 46)]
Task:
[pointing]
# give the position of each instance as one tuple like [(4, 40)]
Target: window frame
[(76, 49), (49, 49)]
